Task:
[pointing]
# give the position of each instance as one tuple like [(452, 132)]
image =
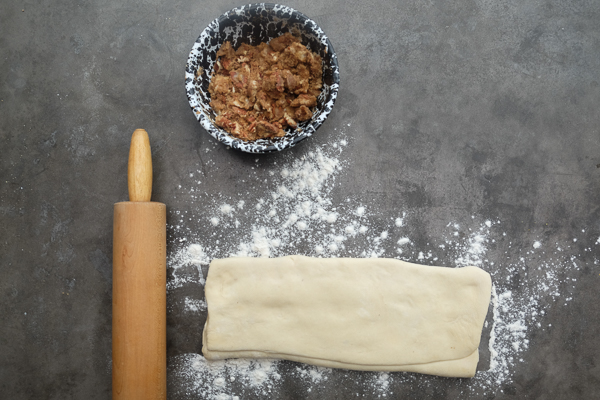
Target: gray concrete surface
[(455, 112)]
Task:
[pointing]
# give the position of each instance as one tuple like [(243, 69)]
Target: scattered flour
[(297, 215), (193, 305), (400, 220), (214, 379), (403, 241), (226, 209), (475, 249)]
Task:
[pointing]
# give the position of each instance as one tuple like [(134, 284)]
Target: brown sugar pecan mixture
[(258, 91)]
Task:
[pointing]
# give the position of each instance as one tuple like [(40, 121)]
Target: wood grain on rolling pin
[(139, 301)]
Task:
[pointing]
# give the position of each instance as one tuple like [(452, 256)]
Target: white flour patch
[(194, 306), (474, 249), (297, 215), (226, 209), (400, 220), (381, 384), (403, 241), (214, 379), (312, 374), (188, 262)]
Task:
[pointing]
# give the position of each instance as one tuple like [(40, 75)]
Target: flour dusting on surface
[(297, 215)]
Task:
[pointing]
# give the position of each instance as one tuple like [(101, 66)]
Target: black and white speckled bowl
[(253, 24)]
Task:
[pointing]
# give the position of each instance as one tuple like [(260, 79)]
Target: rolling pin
[(139, 321)]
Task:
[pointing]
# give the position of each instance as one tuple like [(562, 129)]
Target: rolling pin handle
[(139, 173)]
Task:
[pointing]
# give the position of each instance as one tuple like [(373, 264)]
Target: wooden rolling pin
[(139, 324)]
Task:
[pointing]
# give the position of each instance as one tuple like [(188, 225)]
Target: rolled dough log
[(371, 314)]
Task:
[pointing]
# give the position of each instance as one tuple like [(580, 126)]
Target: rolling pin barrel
[(139, 285)]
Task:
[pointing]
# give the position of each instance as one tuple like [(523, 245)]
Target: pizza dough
[(371, 314)]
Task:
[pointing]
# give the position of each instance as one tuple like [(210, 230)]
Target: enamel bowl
[(254, 24)]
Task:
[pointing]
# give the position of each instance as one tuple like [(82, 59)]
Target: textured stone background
[(477, 107)]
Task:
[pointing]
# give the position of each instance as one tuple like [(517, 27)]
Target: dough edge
[(460, 368)]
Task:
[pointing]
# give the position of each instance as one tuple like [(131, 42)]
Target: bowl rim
[(260, 145)]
